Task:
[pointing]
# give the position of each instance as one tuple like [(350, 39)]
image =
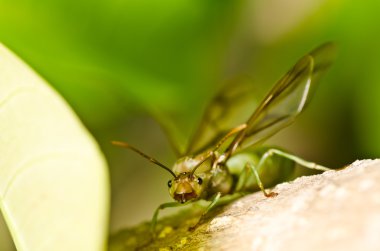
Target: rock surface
[(336, 210)]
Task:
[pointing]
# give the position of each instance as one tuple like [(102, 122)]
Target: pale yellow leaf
[(54, 188)]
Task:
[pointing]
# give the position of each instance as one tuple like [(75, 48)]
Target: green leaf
[(54, 189)]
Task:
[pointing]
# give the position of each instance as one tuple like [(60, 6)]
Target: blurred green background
[(121, 63)]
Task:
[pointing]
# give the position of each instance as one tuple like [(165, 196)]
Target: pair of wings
[(232, 106)]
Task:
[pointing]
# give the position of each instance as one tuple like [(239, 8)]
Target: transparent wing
[(232, 106), (287, 99)]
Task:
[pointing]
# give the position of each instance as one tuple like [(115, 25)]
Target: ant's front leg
[(258, 180), (209, 207), (155, 215)]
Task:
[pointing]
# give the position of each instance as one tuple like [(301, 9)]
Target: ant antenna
[(128, 146), (211, 154), (219, 144)]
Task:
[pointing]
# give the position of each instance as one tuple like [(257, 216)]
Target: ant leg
[(254, 170), (212, 204), (155, 215), (209, 207), (298, 160), (241, 183)]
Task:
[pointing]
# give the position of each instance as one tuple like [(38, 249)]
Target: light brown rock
[(336, 210)]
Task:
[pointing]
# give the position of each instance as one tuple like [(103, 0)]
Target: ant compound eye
[(199, 180), (170, 183)]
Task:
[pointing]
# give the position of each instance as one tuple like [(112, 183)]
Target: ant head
[(185, 187)]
